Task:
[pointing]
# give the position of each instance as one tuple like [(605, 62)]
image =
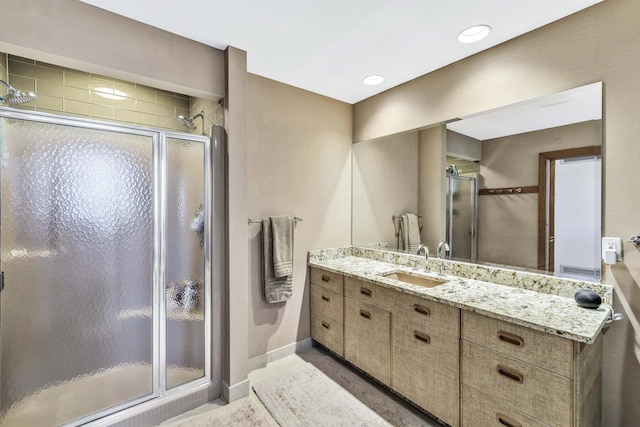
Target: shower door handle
[(1, 281)]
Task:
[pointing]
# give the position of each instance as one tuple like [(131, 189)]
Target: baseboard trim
[(293, 348), (236, 391)]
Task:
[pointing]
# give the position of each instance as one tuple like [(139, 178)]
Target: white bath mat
[(307, 397)]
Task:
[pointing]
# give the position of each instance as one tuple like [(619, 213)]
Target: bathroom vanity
[(475, 346)]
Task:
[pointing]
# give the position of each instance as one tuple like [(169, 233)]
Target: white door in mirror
[(611, 250)]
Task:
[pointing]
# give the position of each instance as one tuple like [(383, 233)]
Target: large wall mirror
[(519, 186)]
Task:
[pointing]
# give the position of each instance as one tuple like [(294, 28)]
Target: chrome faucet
[(424, 248), (442, 247)]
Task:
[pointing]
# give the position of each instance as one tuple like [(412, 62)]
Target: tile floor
[(388, 406)]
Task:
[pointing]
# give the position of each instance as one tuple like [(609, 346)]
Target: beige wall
[(512, 161), (385, 183), (432, 185), (597, 44), (299, 164)]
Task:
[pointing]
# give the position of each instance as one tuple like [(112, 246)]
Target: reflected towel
[(274, 289), (410, 232), (282, 235)]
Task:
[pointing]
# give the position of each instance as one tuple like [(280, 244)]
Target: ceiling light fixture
[(373, 80), (474, 34)]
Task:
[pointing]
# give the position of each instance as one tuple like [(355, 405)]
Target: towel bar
[(258, 221)]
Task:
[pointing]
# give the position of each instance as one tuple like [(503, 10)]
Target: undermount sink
[(425, 282)]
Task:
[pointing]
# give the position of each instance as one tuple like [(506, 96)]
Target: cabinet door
[(425, 352), (420, 373), (367, 338)]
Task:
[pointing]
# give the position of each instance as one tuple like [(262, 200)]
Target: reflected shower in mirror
[(536, 169)]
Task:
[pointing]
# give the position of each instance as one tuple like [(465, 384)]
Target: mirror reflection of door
[(570, 209)]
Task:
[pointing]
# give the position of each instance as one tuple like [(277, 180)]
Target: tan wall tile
[(60, 91), (183, 112), (36, 71), (124, 103), (64, 90), (86, 109), (22, 83), (21, 59), (169, 123), (157, 109), (135, 117), (167, 99), (145, 93), (48, 102)]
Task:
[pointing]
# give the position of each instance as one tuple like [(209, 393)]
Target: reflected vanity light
[(110, 93), (373, 80), (474, 34)]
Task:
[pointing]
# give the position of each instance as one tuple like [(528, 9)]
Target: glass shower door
[(186, 225), (462, 217), (77, 247)]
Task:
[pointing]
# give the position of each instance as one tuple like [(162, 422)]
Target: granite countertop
[(557, 315)]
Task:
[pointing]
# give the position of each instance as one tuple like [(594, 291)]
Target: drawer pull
[(365, 314), (326, 298), (326, 325), (422, 337), (421, 309), (326, 278), (366, 292), (506, 421), (511, 374), (511, 339)]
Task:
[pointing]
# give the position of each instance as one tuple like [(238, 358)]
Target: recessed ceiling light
[(373, 80), (474, 34)]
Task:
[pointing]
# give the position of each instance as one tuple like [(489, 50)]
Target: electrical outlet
[(612, 244)]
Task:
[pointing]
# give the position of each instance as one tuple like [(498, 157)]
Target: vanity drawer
[(369, 293), (326, 303), (367, 338), (430, 316), (328, 332), (537, 392), (420, 340), (480, 411), (536, 347), (327, 280)]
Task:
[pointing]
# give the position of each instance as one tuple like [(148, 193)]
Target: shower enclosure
[(106, 276), (462, 217)]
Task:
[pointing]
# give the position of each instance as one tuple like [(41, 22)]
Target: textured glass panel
[(77, 253), (185, 261)]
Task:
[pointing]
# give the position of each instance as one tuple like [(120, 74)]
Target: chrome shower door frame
[(123, 411)]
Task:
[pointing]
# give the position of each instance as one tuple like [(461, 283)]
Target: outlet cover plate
[(609, 243)]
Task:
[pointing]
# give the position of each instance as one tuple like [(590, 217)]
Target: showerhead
[(188, 121), (16, 96)]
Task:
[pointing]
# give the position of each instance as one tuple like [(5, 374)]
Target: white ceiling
[(559, 109), (328, 46)]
